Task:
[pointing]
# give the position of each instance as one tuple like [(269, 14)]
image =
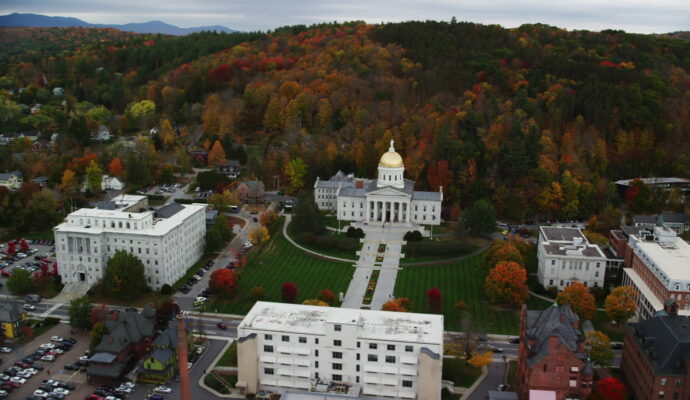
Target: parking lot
[(29, 261), (163, 190)]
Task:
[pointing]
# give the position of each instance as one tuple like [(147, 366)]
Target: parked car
[(71, 367), (514, 340), (222, 325), (48, 357), (5, 350), (617, 346), (29, 307), (162, 389)]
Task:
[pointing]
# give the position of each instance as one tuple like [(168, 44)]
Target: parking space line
[(50, 310)]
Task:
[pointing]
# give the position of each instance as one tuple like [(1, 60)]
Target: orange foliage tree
[(580, 300), (507, 283), (400, 304), (620, 304), (222, 282), (216, 156), (501, 250), (115, 167)]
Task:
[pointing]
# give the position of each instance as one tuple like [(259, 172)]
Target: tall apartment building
[(357, 352), (167, 241), (660, 270), (565, 256)]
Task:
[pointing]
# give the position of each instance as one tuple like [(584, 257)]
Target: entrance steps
[(73, 290)]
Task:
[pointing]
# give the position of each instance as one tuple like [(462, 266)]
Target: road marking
[(50, 310)]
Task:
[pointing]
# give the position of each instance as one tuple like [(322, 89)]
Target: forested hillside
[(538, 119)]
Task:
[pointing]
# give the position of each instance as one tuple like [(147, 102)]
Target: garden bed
[(371, 287)]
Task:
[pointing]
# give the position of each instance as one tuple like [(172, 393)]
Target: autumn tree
[(479, 360), (166, 134), (259, 235), (434, 299), (288, 292), (438, 175), (315, 302), (115, 167), (222, 282), (295, 170), (23, 245), (609, 388), (459, 308), (598, 346), (267, 217), (507, 283), (94, 176), (502, 250), (326, 295), (96, 335), (399, 304), (68, 183), (620, 304), (258, 293), (580, 300), (216, 156), (124, 276)]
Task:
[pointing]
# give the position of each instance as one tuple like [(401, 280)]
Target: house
[(58, 91), (231, 168), (666, 184), (551, 356), (250, 192), (655, 362), (11, 180), (101, 134), (199, 156), (12, 318), (128, 337), (36, 108), (309, 348), (677, 222), (40, 144), (111, 183), (565, 256), (160, 364), (41, 181)]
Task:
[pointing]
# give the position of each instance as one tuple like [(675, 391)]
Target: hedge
[(440, 248), (327, 242)]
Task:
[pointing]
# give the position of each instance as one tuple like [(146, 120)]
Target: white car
[(24, 374), (18, 379), (47, 346), (111, 398), (84, 358), (125, 389), (48, 357), (62, 391), (5, 350), (162, 389), (3, 393), (40, 393), (29, 307), (4, 377), (56, 339), (32, 371), (58, 351)]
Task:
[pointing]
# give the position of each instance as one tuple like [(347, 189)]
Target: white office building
[(167, 241), (565, 256), (389, 199), (351, 351)]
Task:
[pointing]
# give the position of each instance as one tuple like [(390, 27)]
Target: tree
[(124, 276), (480, 218), (434, 299), (459, 308), (315, 302), (610, 389), (259, 235), (599, 350), (306, 216), (222, 282), (288, 292), (80, 312), (41, 211), (166, 134), (20, 282), (258, 293), (115, 167), (400, 304), (11, 248), (23, 245), (166, 312), (216, 156), (68, 183), (507, 283), (621, 303), (580, 300), (326, 296), (295, 170), (479, 360), (166, 289), (94, 175), (267, 218), (96, 335), (502, 250)]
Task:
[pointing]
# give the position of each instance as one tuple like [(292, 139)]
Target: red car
[(222, 325), (21, 364), (7, 386), (93, 397)]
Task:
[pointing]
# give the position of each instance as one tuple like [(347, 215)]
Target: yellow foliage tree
[(68, 183), (479, 360), (259, 235), (216, 156), (620, 304), (166, 134)]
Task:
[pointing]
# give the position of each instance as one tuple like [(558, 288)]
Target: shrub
[(355, 232), (288, 292), (440, 248), (166, 289), (413, 236), (326, 295)]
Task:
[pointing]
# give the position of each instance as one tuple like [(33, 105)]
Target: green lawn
[(229, 359), (46, 234), (460, 281), (332, 221), (278, 261), (461, 373), (602, 323)]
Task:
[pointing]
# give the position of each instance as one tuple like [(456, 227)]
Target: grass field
[(460, 281), (602, 323), (229, 358), (277, 262)]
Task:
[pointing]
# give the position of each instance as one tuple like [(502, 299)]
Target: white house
[(11, 180), (310, 348), (111, 183), (565, 256), (167, 241), (102, 134), (388, 199)]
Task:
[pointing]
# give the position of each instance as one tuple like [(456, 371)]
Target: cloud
[(630, 15)]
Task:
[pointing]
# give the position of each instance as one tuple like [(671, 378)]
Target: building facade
[(565, 256), (551, 356), (231, 168), (375, 353), (655, 363), (677, 222), (659, 270), (167, 241), (11, 180), (12, 319), (388, 199)]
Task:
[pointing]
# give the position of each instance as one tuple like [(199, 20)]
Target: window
[(268, 337), (551, 282), (268, 371), (407, 384), (372, 357), (661, 394), (316, 352), (337, 328), (357, 356), (337, 366), (390, 347), (409, 349), (544, 367), (337, 343), (302, 339), (357, 378), (316, 364), (337, 354), (553, 262), (390, 359), (372, 346), (268, 348), (358, 345), (663, 382), (357, 368), (337, 378), (677, 382), (285, 338)]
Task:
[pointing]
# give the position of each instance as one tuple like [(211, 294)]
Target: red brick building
[(656, 356), (618, 243), (551, 356)]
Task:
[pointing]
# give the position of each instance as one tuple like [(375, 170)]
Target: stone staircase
[(72, 291)]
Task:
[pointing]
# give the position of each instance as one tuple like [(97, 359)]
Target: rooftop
[(555, 321), (375, 325), (664, 341), (672, 257), (558, 234), (653, 181)]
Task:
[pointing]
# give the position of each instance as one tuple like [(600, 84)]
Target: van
[(32, 298)]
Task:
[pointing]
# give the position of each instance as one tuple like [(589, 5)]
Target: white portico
[(388, 199)]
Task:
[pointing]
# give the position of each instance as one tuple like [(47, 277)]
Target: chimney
[(182, 357)]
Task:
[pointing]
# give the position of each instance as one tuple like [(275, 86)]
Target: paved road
[(495, 376)]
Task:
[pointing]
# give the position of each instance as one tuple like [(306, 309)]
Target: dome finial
[(392, 148)]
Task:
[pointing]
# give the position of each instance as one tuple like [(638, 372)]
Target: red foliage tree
[(326, 296), (165, 313), (507, 283), (434, 299), (288, 292), (115, 167), (438, 174), (222, 282), (610, 389), (11, 248), (23, 245)]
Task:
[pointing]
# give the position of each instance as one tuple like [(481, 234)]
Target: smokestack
[(182, 357)]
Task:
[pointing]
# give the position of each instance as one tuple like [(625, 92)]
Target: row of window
[(336, 342), (567, 283), (339, 377)]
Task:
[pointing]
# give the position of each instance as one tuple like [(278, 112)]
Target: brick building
[(656, 362), (551, 357)]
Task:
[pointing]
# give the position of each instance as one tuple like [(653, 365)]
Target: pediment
[(388, 191)]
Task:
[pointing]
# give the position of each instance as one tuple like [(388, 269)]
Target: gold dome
[(391, 159)]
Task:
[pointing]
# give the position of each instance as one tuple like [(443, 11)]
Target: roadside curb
[(288, 218), (212, 366), (468, 392)]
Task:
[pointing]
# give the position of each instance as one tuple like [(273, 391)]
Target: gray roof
[(632, 230), (105, 205), (211, 214), (333, 184), (40, 179), (667, 217), (9, 312), (559, 321), (167, 338), (407, 189), (114, 370), (435, 196), (230, 163), (169, 210), (162, 355), (352, 192), (254, 185), (561, 250), (130, 327), (106, 358), (6, 175), (557, 234), (665, 342)]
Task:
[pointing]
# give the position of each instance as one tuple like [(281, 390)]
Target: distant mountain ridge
[(44, 21)]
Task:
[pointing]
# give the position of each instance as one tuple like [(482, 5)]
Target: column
[(409, 206), (400, 213), (376, 211), (366, 216)]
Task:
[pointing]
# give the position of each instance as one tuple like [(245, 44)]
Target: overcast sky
[(648, 16)]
